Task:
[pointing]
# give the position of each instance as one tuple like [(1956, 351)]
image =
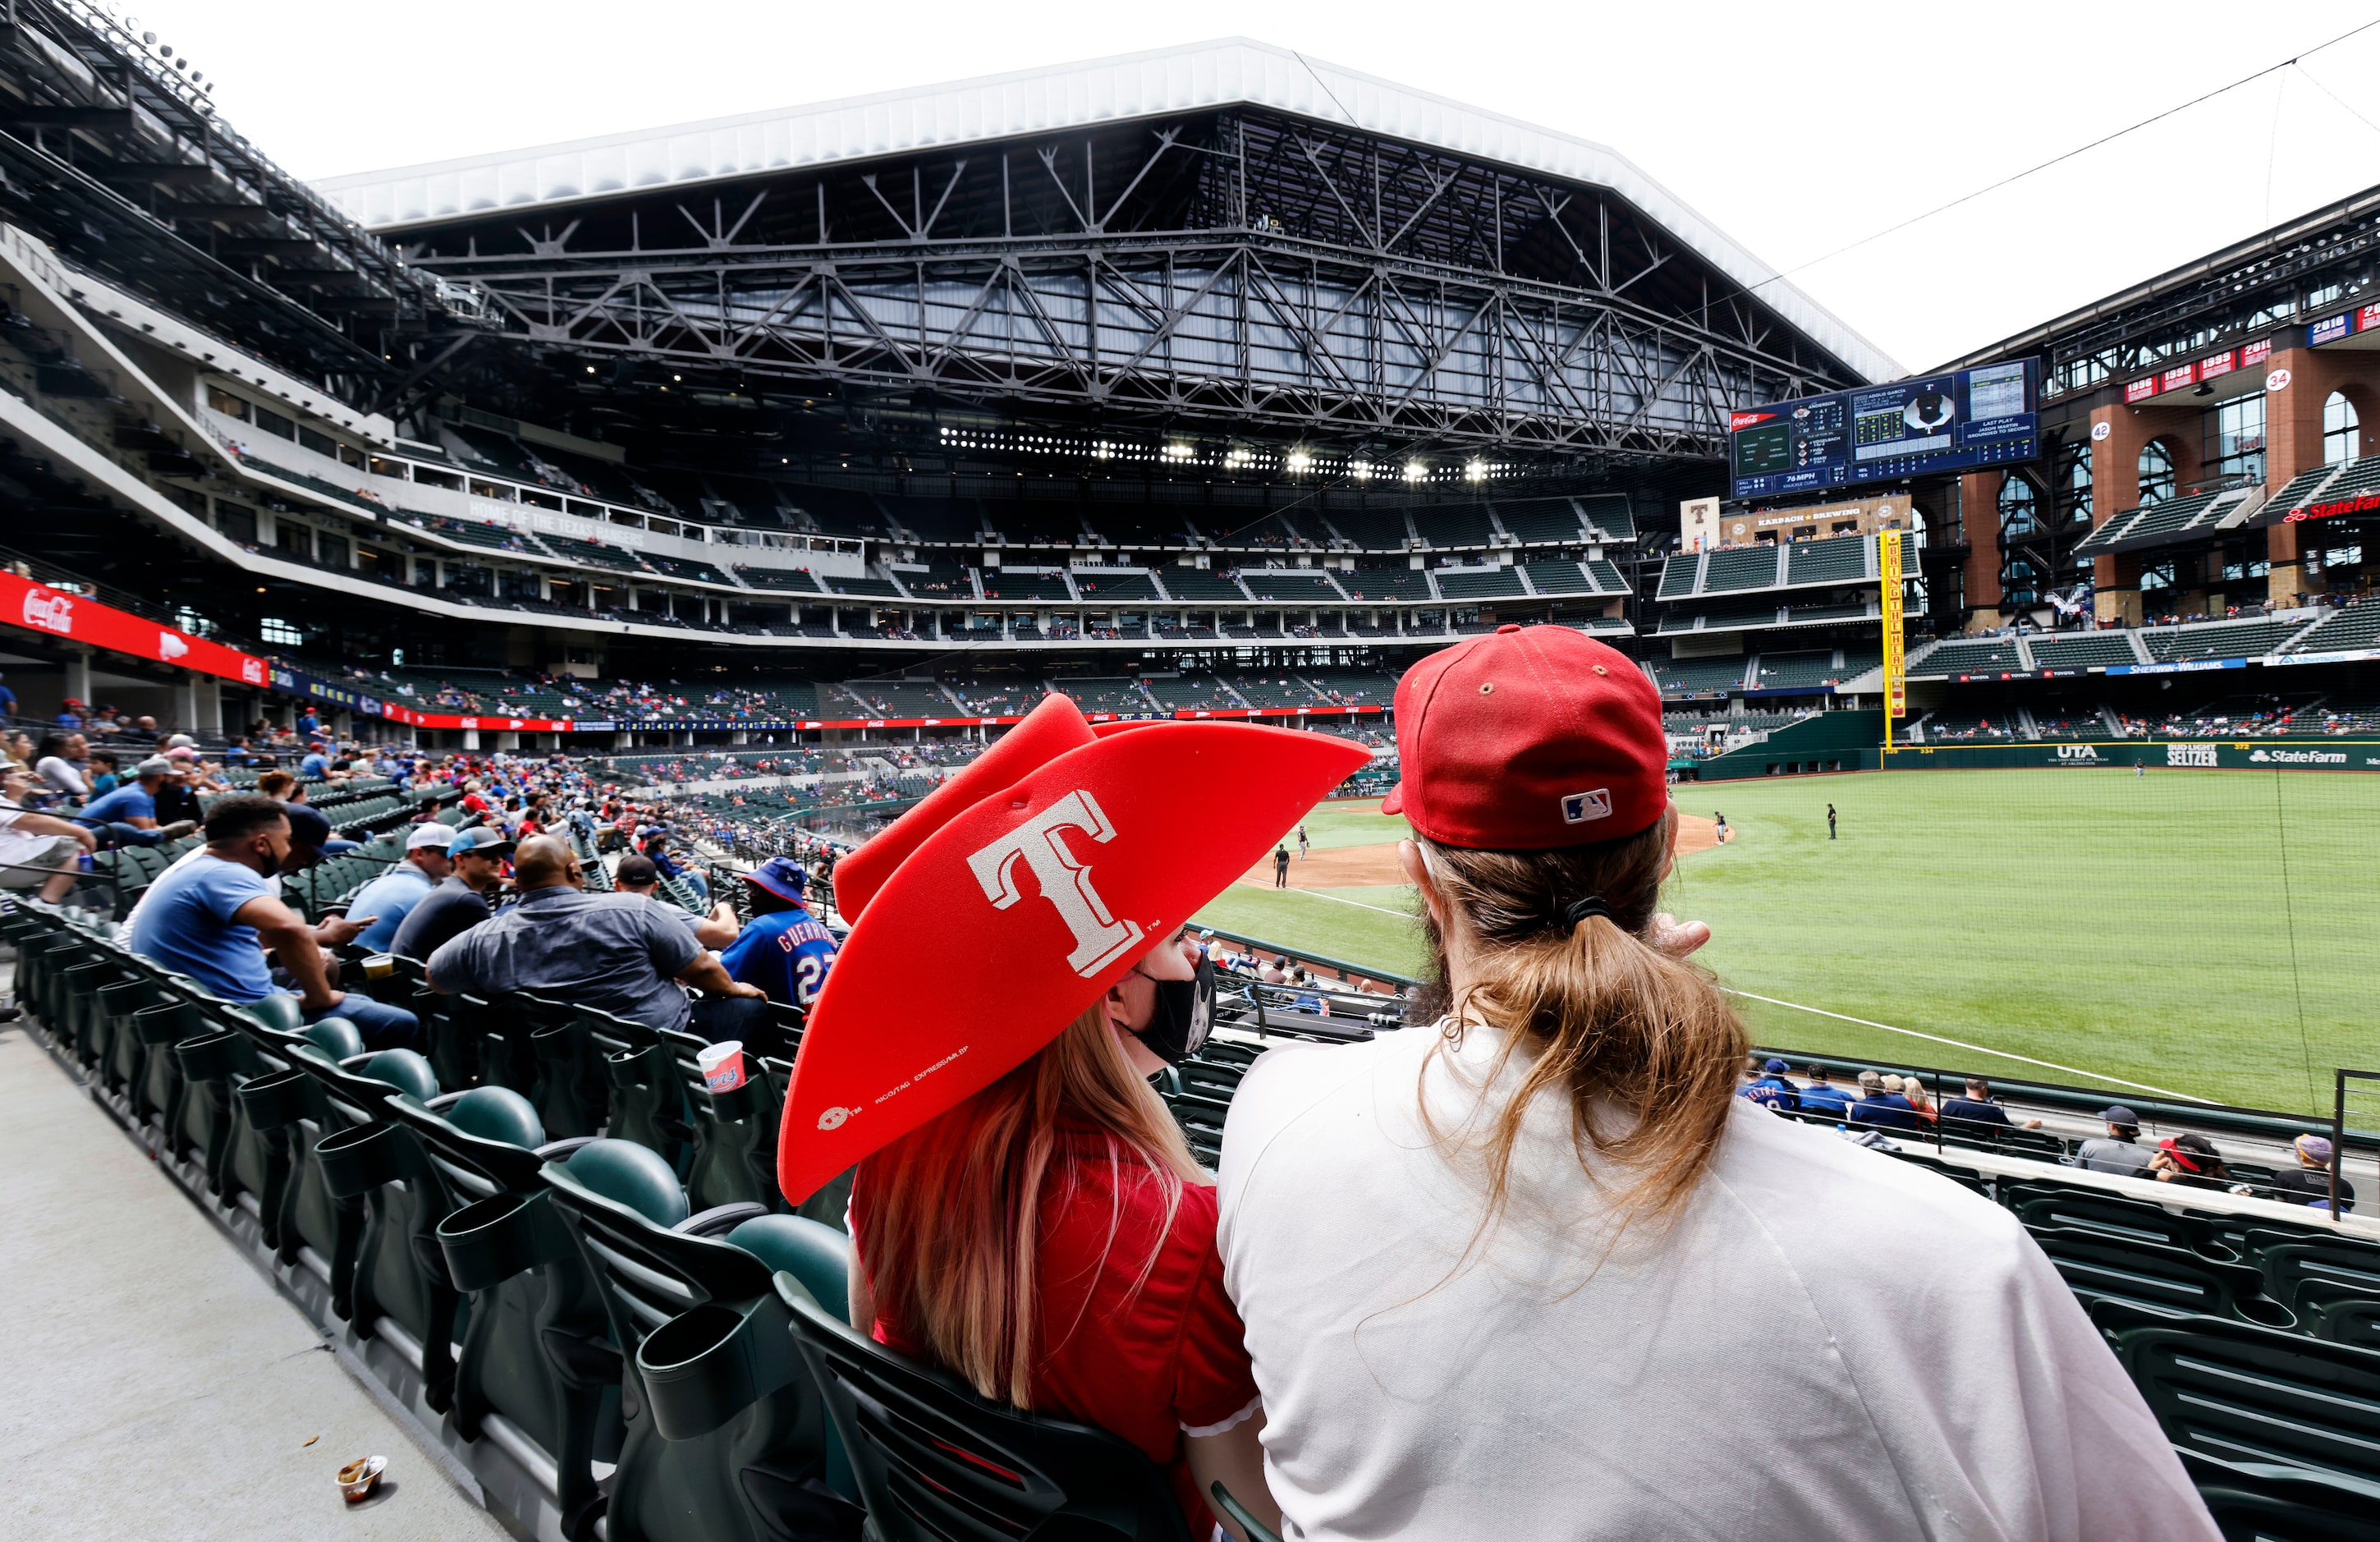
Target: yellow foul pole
[(1895, 680)]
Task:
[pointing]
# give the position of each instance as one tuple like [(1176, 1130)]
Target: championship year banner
[(1896, 669)]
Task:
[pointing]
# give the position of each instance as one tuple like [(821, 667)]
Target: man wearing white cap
[(392, 897)]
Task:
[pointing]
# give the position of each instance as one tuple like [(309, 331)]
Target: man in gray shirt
[(2120, 1152), (615, 953)]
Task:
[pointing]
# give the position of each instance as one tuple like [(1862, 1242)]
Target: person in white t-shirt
[(1532, 1271), (37, 849)]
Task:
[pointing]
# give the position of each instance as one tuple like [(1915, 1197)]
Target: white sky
[(1796, 128)]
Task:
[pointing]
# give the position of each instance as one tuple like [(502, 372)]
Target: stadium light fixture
[(1415, 470), (1474, 471), (1300, 461)]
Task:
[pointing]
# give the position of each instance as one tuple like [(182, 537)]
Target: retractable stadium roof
[(1170, 80)]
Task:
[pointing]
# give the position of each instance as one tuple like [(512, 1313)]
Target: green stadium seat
[(335, 1037), (2293, 1258), (2043, 1204), (2097, 1265), (725, 1434), (2342, 1314), (1966, 1178), (2239, 1392), (403, 1070), (628, 1174), (2270, 1501), (816, 1255), (495, 1113), (934, 1462), (538, 1351)]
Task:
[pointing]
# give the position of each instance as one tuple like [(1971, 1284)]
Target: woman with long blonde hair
[(1533, 1271), (1052, 1240)]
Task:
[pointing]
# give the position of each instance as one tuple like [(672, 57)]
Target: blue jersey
[(1829, 1099), (786, 953), (1774, 1092)]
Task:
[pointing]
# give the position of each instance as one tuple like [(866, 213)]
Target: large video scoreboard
[(1911, 427)]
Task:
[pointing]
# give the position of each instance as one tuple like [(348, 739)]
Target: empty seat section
[(1201, 586), (1096, 585), (1478, 583), (1740, 567), (1541, 521), (1446, 524), (1836, 560), (1289, 588), (1009, 584)]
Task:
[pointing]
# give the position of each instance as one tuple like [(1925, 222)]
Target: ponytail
[(1644, 1046)]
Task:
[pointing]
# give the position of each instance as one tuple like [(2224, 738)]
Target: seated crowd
[(1520, 1269)]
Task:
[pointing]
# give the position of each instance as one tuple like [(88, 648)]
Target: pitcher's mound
[(1368, 867)]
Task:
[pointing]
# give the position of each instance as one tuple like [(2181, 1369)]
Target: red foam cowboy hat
[(1017, 893)]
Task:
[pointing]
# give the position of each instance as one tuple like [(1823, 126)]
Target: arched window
[(2156, 473), (2340, 429), (2018, 503)]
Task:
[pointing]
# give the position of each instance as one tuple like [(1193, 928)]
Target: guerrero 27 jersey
[(787, 954)]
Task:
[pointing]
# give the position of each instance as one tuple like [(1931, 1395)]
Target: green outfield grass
[(2207, 933)]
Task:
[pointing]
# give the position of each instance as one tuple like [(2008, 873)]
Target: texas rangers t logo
[(1100, 938)]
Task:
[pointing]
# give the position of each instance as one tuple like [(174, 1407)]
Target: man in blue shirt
[(130, 813), (1770, 1089), (1876, 1106), (1822, 1096), (1976, 1115), (209, 918), (8, 702), (388, 899), (316, 767), (784, 950)]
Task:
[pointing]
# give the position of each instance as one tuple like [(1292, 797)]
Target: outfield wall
[(1849, 742), (2360, 755)]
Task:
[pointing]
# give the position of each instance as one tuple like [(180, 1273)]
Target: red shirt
[(1143, 1363)]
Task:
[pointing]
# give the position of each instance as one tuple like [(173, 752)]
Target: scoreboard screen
[(1911, 427)]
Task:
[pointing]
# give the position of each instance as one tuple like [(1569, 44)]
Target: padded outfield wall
[(1852, 742)]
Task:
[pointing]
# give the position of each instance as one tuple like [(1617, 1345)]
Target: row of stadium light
[(1236, 457)]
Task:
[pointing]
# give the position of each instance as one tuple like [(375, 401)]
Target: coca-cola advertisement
[(61, 614)]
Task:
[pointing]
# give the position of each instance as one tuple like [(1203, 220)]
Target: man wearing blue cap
[(1771, 1089), (2120, 1151), (475, 871), (785, 951)]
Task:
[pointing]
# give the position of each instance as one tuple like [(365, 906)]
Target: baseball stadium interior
[(709, 497)]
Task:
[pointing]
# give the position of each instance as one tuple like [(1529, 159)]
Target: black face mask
[(1181, 1016)]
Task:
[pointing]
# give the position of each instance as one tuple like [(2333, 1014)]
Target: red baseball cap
[(1529, 738)]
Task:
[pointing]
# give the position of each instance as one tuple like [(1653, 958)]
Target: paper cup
[(722, 1066), (359, 1478)]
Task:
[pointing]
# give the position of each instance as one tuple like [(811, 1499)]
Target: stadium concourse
[(489, 650)]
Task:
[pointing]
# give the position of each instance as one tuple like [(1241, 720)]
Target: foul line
[(1267, 889), (1978, 1048)]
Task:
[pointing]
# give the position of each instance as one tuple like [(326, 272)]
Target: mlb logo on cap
[(1516, 739), (1581, 808)]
